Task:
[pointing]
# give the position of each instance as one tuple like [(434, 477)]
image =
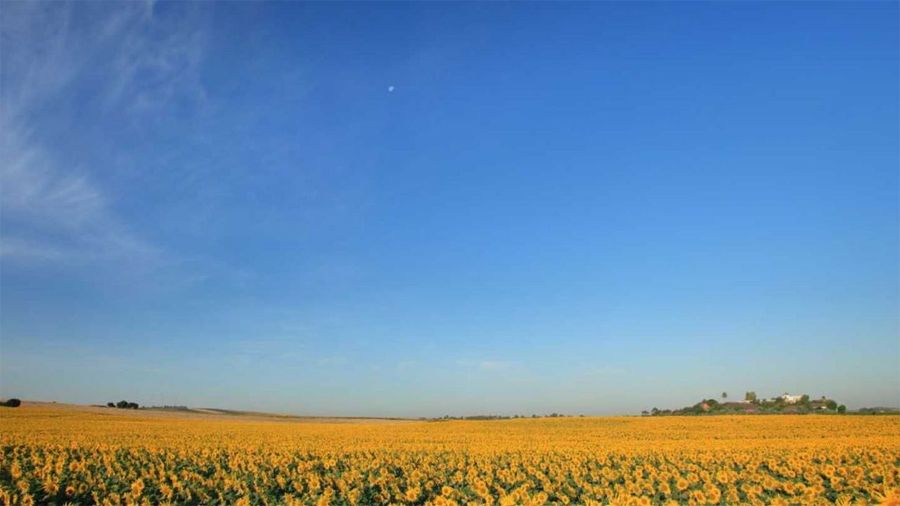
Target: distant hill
[(208, 413), (751, 405)]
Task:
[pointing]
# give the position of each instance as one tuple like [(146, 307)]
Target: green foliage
[(776, 405)]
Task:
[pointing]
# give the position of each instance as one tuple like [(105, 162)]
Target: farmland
[(60, 454)]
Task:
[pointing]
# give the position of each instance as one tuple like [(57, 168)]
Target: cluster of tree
[(804, 405), (11, 403), (879, 410), (753, 405), (496, 417), (122, 405)]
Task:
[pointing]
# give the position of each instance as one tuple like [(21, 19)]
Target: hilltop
[(751, 405), (199, 413)]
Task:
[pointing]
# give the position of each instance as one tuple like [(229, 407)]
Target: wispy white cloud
[(156, 64), (54, 206), (14, 247), (51, 214)]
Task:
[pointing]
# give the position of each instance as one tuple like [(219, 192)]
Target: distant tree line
[(753, 405), (495, 417), (122, 405), (878, 410)]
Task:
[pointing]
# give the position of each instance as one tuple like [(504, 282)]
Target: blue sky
[(420, 209)]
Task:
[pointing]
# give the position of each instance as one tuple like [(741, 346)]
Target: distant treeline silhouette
[(122, 405), (495, 417), (11, 403)]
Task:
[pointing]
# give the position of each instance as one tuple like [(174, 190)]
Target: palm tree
[(724, 395)]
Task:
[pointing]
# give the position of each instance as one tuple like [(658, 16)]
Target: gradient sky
[(422, 209)]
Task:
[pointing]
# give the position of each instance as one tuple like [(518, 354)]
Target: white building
[(790, 399)]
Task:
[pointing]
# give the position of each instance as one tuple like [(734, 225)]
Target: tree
[(750, 396), (842, 409), (804, 399), (122, 404), (830, 404), (110, 404), (12, 403), (724, 395)]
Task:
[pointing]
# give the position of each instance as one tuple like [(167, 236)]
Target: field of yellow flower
[(54, 454)]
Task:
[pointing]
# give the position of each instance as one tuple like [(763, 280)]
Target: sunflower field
[(57, 455)]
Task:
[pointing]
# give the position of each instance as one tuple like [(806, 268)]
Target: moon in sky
[(390, 89)]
